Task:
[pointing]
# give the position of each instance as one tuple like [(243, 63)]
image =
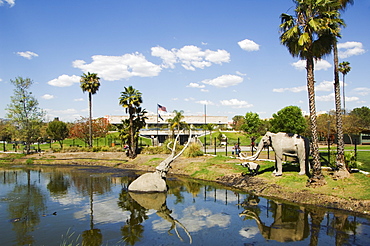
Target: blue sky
[(180, 54)]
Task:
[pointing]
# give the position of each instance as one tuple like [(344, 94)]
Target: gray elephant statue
[(287, 144)]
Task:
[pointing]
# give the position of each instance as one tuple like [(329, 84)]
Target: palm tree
[(131, 100), (176, 122), (342, 172), (309, 35), (344, 68), (90, 83)]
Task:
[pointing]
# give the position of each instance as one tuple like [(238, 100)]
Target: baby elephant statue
[(252, 167), (286, 144)]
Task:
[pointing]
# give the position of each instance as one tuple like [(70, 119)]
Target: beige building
[(193, 120)]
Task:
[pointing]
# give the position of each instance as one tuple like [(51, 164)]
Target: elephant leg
[(302, 166), (302, 161), (278, 165)]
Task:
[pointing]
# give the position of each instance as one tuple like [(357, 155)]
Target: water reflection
[(157, 201), (290, 222), (41, 205)]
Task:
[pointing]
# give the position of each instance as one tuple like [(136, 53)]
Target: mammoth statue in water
[(286, 144)]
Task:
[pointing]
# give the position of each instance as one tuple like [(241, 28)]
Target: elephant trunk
[(255, 156)]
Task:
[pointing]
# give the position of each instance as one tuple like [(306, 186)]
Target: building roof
[(189, 119)]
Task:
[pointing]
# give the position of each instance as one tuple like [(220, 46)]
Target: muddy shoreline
[(251, 184)]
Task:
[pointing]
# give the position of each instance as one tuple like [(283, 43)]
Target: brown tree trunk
[(341, 171), (132, 147), (317, 179), (90, 120)]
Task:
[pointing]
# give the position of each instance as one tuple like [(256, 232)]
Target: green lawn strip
[(153, 162)]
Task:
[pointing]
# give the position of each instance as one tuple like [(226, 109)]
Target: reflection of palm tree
[(341, 224), (93, 236), (132, 231), (317, 216)]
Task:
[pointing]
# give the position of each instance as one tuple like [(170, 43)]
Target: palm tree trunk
[(90, 120), (317, 178), (341, 167), (132, 147)]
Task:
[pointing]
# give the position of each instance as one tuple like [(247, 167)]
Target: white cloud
[(169, 58), (205, 102), (224, 81), (47, 97), (119, 67), (79, 100), (190, 57), (27, 54), (64, 80), (326, 98), (248, 45), (292, 89), (240, 73), (249, 232), (348, 49), (325, 86), (331, 97), (352, 99), (319, 65), (195, 85), (10, 2), (362, 91), (235, 103), (204, 90)]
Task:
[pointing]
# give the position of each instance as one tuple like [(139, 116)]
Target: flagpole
[(157, 126)]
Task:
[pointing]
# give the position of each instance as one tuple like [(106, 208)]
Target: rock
[(148, 182)]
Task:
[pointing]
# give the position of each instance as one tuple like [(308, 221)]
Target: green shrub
[(29, 161), (349, 159), (193, 150)]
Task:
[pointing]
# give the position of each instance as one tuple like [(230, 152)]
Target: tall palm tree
[(131, 100), (309, 35), (344, 68), (342, 172), (90, 83)]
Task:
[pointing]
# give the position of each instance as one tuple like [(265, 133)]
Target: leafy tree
[(288, 119), (81, 130), (90, 83), (24, 112), (131, 100), (310, 35), (344, 68), (362, 117), (325, 121), (252, 124), (57, 130), (238, 121)]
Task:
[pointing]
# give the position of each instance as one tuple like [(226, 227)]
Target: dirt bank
[(247, 183)]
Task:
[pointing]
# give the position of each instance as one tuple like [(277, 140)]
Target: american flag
[(162, 108)]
